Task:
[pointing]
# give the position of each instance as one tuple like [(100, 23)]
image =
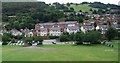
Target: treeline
[(90, 37), (104, 6)]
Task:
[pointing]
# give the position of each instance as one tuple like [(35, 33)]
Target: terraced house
[(56, 29)]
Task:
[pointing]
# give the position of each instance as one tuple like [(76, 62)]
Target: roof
[(14, 31), (50, 24), (43, 29), (26, 30), (73, 28), (55, 29), (88, 27)]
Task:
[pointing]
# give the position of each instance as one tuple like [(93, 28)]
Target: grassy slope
[(84, 7), (63, 53)]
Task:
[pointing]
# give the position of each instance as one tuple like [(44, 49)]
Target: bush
[(4, 43), (64, 38), (53, 37), (79, 38)]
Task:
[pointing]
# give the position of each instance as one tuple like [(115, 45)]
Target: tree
[(53, 37), (5, 38), (111, 33), (68, 4), (80, 10), (118, 35), (94, 12), (38, 39), (95, 25), (64, 38), (13, 40), (80, 19), (28, 39), (71, 36), (91, 9), (79, 38), (72, 9), (94, 37), (19, 37)]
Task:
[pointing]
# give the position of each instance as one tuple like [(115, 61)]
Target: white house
[(55, 31), (86, 28), (15, 32), (42, 32), (72, 29)]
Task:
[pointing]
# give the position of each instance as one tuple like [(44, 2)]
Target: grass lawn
[(62, 53), (83, 7)]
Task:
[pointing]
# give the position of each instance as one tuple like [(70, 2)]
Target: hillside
[(83, 7), (31, 13)]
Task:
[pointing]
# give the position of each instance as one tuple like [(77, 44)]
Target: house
[(88, 22), (55, 31), (74, 29), (85, 28), (93, 15), (42, 32), (27, 32), (104, 28), (15, 32), (3, 31), (117, 26), (79, 13)]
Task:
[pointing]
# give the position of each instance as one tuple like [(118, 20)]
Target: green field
[(61, 53), (83, 7)]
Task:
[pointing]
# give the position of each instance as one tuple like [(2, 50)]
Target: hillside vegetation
[(31, 13), (83, 7)]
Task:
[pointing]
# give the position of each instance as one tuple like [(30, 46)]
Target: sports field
[(60, 53)]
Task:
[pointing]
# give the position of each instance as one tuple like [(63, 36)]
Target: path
[(36, 48)]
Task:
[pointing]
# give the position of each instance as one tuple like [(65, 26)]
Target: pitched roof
[(88, 27), (43, 29), (73, 28), (55, 29)]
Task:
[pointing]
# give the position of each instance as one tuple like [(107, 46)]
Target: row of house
[(26, 32), (56, 29)]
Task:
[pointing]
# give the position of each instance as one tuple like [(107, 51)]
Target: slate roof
[(55, 29), (50, 24), (73, 28), (43, 29), (88, 27)]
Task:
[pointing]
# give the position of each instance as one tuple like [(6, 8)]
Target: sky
[(79, 1)]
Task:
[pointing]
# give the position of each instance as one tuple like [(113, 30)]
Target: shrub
[(64, 38), (53, 37), (79, 38)]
